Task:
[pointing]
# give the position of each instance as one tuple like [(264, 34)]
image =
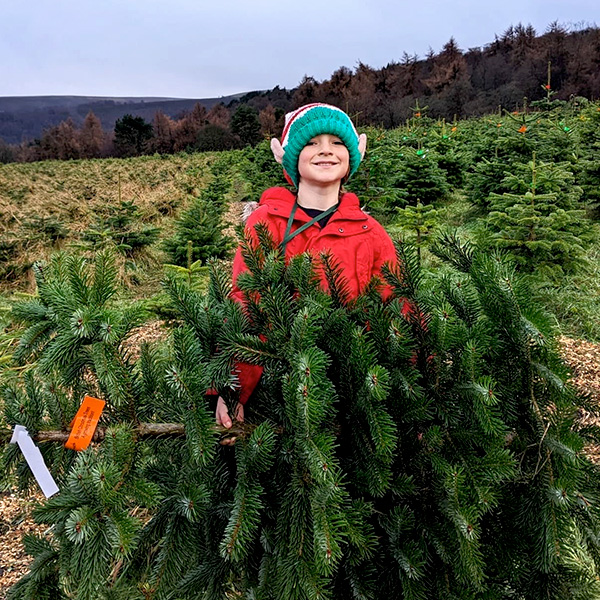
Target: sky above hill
[(199, 49)]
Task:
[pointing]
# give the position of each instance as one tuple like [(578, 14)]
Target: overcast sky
[(205, 49)]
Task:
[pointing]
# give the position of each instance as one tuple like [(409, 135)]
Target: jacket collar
[(279, 202)]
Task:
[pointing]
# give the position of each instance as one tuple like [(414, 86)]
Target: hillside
[(477, 175), (521, 183), (48, 205), (25, 117)]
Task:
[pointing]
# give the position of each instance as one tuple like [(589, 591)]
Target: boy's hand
[(223, 418)]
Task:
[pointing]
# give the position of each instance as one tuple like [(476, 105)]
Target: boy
[(319, 150)]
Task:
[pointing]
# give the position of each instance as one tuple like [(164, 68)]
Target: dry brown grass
[(78, 193), (76, 190)]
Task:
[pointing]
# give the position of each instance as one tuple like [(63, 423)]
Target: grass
[(45, 206), (575, 299)]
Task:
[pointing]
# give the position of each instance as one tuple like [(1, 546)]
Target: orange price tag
[(85, 422)]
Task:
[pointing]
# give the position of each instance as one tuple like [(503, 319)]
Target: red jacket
[(357, 242)]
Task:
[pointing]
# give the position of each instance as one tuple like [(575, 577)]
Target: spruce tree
[(245, 125), (540, 221), (132, 135), (425, 446), (199, 229)]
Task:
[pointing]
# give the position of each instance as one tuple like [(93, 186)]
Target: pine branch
[(449, 248), (338, 285)]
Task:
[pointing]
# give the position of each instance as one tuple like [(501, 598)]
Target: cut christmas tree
[(425, 446)]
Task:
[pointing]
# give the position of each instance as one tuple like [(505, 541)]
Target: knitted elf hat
[(307, 122)]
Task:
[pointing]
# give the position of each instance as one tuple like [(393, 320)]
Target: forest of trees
[(518, 67), (197, 129)]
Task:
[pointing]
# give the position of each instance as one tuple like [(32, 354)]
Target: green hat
[(312, 120)]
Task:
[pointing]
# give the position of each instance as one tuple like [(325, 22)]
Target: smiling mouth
[(325, 163)]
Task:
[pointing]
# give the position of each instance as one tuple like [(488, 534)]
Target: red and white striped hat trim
[(299, 112)]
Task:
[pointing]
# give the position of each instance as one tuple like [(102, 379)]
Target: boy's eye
[(335, 142)]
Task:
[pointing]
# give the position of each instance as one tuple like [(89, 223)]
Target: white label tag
[(35, 460)]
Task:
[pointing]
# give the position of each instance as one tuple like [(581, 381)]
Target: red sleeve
[(385, 252), (248, 375)]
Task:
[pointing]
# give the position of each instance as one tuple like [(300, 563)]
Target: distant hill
[(25, 117), (519, 68)]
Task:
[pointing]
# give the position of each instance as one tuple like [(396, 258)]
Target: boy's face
[(324, 160)]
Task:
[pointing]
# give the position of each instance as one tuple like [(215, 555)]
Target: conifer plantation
[(423, 447)]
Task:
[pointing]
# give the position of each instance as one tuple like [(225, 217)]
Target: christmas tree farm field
[(525, 182), (85, 205), (425, 446)]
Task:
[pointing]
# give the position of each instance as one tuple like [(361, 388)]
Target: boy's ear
[(277, 150), (362, 144)]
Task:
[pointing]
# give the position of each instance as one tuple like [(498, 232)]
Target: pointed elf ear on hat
[(362, 144), (277, 150)]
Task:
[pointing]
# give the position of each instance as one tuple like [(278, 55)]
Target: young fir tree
[(428, 453), (497, 145), (372, 182), (450, 151), (587, 164), (201, 225), (419, 220), (485, 178), (419, 175), (120, 229), (540, 222)]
